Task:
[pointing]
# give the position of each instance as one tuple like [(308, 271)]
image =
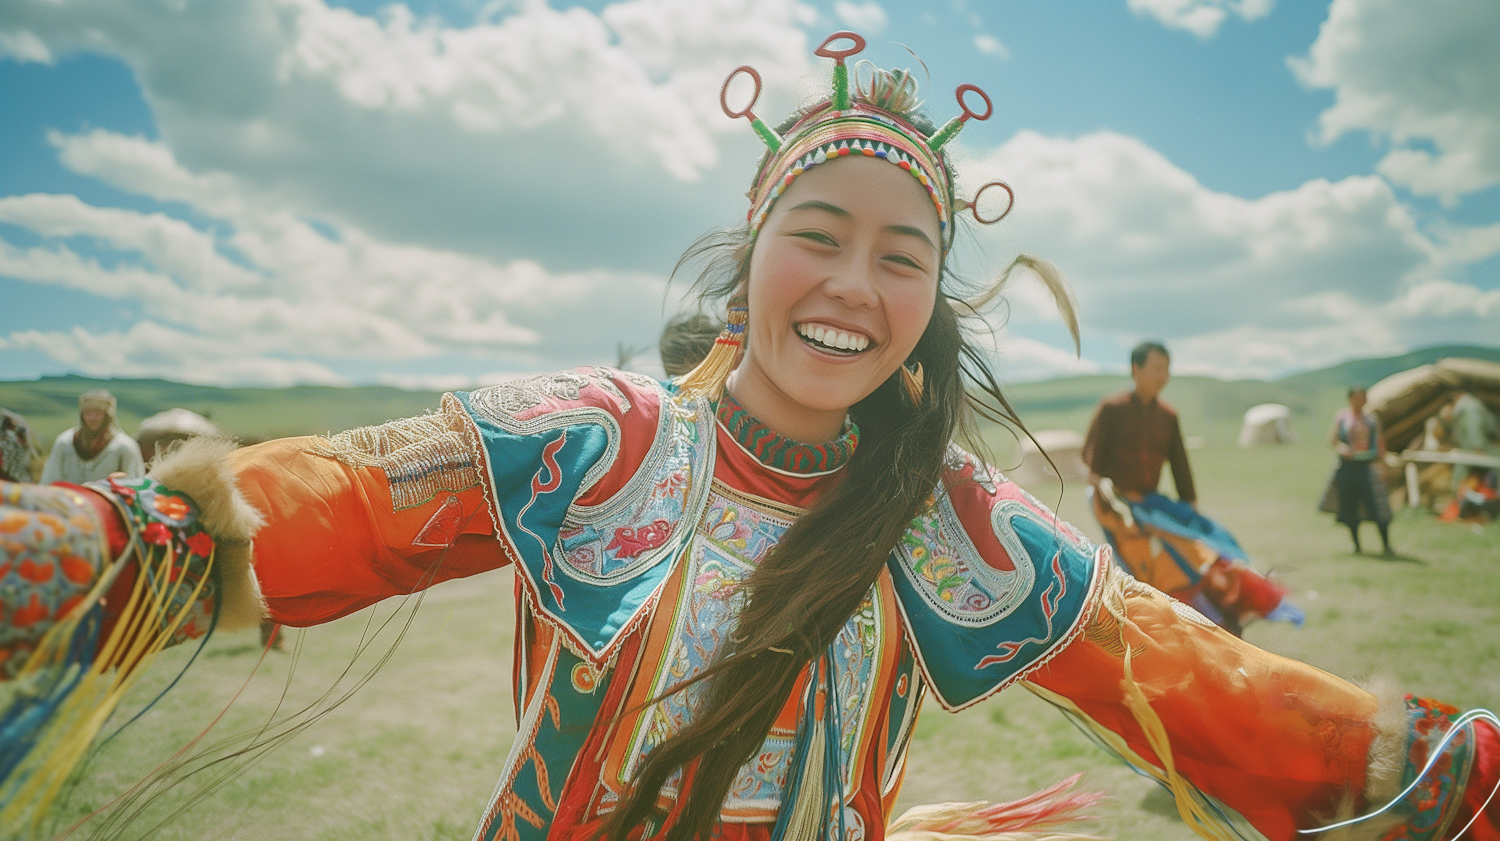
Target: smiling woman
[(736, 589)]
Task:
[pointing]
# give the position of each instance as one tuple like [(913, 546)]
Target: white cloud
[(23, 45), (1425, 76), (1291, 280), (266, 289), (502, 138), (1021, 359), (149, 349), (1201, 17), (990, 45), (867, 18)]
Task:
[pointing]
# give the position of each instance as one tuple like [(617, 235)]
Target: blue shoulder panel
[(540, 464), (975, 628)]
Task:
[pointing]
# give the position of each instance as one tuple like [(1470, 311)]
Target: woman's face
[(93, 419), (842, 284), (1357, 401)]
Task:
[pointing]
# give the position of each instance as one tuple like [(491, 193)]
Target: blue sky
[(448, 193)]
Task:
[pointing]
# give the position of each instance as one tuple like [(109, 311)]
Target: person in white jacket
[(94, 449)]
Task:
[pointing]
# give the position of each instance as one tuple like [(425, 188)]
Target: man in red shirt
[(1134, 432), (1163, 542)]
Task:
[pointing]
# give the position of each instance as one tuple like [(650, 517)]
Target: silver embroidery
[(528, 392), (421, 456), (603, 377)]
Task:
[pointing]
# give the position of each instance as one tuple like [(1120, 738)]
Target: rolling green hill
[(1210, 408), (50, 404)]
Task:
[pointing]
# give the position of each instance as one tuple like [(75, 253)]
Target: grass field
[(415, 753)]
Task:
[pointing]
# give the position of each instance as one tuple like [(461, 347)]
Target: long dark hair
[(805, 589)]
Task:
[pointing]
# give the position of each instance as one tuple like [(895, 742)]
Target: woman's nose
[(853, 283)]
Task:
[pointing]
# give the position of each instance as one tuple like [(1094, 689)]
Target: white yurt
[(1066, 449), (1267, 423), (163, 428)]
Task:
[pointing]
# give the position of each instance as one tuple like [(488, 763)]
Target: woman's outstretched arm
[(363, 516), (1284, 745)]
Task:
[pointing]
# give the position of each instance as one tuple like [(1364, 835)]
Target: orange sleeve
[(334, 540), (1278, 741)]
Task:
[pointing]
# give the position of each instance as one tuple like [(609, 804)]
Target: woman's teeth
[(830, 339)]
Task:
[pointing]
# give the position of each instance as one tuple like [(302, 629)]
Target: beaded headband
[(845, 126), (840, 127)]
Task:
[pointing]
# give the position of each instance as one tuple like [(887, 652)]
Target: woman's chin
[(827, 397)]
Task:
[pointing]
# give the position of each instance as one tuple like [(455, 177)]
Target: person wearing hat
[(96, 447)]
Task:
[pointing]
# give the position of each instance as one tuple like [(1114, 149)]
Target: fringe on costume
[(1036, 817), (1388, 749), (82, 667), (1202, 813), (421, 456)]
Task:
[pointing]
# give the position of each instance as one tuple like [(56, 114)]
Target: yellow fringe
[(1183, 793), (710, 375), (138, 636), (806, 822)]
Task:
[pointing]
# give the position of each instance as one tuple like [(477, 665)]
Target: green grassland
[(416, 752)]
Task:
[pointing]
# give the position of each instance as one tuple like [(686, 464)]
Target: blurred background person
[(685, 341), (96, 447), (1356, 492), (1165, 542), (1473, 427), (17, 447)]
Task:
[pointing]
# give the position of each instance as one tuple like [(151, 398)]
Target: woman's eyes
[(824, 238), (817, 236)]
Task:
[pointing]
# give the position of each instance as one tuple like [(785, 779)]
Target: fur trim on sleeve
[(199, 467), (1383, 769)]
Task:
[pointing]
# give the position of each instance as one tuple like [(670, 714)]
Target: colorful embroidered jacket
[(632, 517)]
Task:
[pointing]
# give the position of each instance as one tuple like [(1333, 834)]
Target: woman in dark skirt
[(1357, 491)]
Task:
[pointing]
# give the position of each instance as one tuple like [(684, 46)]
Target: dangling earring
[(912, 381), (708, 377)]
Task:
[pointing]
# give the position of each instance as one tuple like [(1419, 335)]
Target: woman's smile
[(832, 339)]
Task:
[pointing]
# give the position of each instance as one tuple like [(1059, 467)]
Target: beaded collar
[(780, 453)]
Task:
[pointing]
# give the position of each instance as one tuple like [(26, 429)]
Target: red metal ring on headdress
[(724, 93), (840, 55), (974, 203), (989, 107)]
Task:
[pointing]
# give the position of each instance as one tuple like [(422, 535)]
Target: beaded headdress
[(870, 124), (850, 122)]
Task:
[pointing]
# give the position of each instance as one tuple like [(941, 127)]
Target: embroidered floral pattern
[(731, 540), (773, 450), (168, 523), (950, 574), (1430, 807), (50, 554), (596, 548)]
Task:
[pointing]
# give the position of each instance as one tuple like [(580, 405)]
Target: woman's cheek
[(908, 313)]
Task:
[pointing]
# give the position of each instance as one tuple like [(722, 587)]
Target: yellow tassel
[(1188, 806), (806, 822), (142, 630), (709, 376), (913, 381)]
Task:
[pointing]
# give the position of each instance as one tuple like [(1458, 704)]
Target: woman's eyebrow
[(823, 206), (908, 230)]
